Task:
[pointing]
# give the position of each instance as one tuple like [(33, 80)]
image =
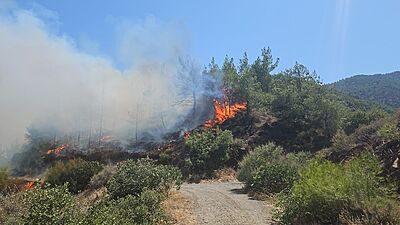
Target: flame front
[(57, 151), (186, 135), (29, 185), (224, 111)]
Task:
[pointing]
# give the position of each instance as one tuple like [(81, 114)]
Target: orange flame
[(186, 135), (57, 151), (29, 185), (224, 111)]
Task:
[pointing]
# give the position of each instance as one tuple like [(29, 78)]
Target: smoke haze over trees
[(46, 81)]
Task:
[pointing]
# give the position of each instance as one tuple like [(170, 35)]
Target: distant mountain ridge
[(383, 89)]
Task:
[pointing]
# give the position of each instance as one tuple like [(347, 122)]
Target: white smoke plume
[(46, 79)]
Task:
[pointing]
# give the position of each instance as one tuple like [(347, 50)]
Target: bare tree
[(189, 82)]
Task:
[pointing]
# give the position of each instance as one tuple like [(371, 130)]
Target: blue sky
[(337, 38)]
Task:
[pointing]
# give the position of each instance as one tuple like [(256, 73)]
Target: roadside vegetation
[(210, 150), (267, 169), (134, 194)]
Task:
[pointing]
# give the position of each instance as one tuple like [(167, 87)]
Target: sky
[(336, 38)]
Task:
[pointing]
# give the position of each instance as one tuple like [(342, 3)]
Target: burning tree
[(198, 88), (224, 111)]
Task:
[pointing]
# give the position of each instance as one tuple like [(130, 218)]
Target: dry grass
[(180, 209), (90, 197), (225, 175)]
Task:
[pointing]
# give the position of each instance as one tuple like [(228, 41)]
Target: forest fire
[(29, 185), (57, 151), (186, 135), (224, 111)]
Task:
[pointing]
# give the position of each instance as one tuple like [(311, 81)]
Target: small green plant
[(133, 177), (49, 206), (77, 173)]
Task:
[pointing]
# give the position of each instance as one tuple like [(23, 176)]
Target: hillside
[(383, 89), (331, 159)]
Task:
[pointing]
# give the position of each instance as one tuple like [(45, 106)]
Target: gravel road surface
[(225, 204)]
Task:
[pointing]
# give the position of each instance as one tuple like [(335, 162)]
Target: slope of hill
[(383, 89)]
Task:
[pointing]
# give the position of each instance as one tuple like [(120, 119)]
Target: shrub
[(365, 182), (210, 150), (132, 177), (143, 209), (273, 178), (356, 119), (375, 211), (317, 196), (101, 178), (9, 185), (325, 190), (49, 206), (389, 132), (12, 209), (298, 160), (165, 158), (268, 170), (261, 156), (3, 178), (3, 175), (76, 173)]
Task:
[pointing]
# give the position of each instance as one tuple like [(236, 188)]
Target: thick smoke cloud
[(46, 79)]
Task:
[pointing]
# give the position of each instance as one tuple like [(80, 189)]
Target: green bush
[(357, 118), (3, 175), (273, 178), (49, 206), (132, 177), (210, 150), (389, 132), (318, 195), (3, 178), (268, 170), (374, 211), (326, 190), (143, 209), (261, 156), (76, 173)]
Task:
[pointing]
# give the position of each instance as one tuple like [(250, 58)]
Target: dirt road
[(225, 204)]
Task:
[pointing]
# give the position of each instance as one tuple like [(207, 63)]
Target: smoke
[(46, 79)]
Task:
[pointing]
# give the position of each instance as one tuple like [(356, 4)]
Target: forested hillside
[(379, 88), (323, 156)]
